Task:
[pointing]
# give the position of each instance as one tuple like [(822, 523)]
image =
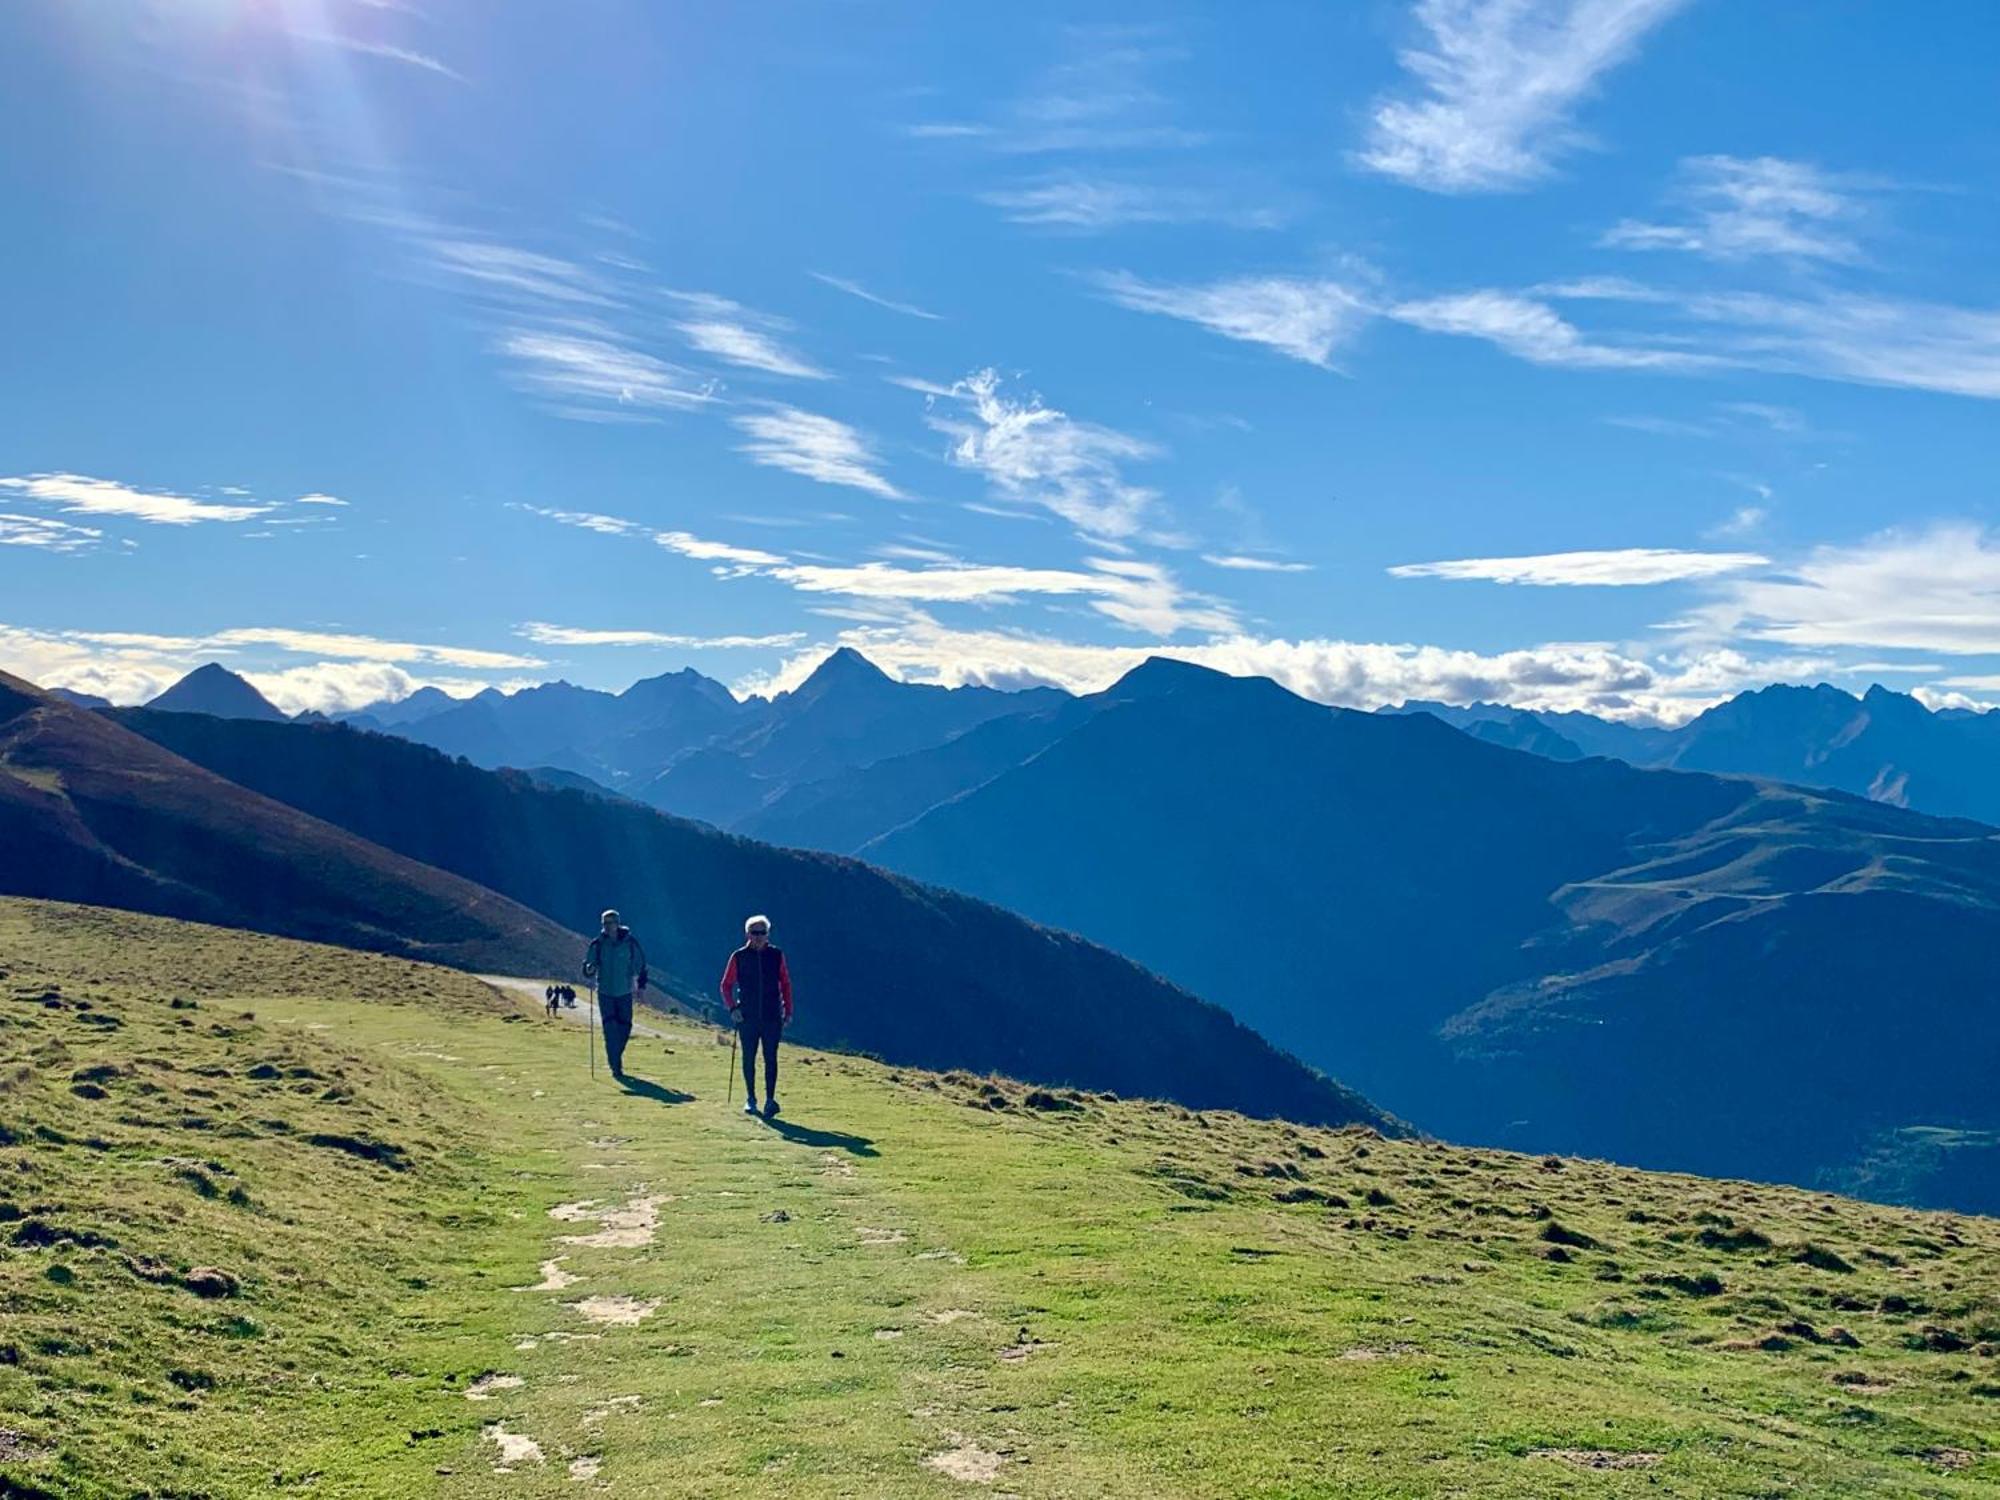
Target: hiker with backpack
[(616, 961), (757, 992)]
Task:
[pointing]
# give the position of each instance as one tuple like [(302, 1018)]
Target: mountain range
[(793, 768), (1504, 934), (1708, 973), (1883, 745)]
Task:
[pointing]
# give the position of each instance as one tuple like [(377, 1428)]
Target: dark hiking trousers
[(615, 1011), (760, 1026)]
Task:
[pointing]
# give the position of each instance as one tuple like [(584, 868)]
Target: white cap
[(609, 916), (760, 920)]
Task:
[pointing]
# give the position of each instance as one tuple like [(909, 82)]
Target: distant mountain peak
[(1158, 674), (213, 689), (682, 686), (845, 668)]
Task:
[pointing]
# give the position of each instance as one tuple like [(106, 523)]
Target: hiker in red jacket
[(757, 989)]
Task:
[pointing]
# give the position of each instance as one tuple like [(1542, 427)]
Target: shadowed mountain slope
[(883, 965), (91, 812), (1672, 969)]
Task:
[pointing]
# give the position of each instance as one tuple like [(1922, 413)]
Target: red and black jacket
[(758, 980)]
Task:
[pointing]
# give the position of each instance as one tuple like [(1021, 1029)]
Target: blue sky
[(1585, 353)]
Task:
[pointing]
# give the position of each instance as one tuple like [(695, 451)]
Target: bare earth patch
[(612, 1407), (881, 1236), (1948, 1458), (1598, 1458), (483, 1388), (953, 1315), (585, 1468), (625, 1228), (515, 1448), (968, 1462), (885, 1334), (619, 1310), (554, 1278), (1386, 1351), (16, 1448)]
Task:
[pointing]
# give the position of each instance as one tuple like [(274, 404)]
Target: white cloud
[(80, 494), (1625, 567), (688, 545), (388, 51), (1303, 319), (1137, 595), (46, 533), (1755, 206), (362, 647), (817, 447), (589, 521), (600, 373), (1925, 346), (1779, 419), (683, 542), (1938, 699), (1097, 97), (519, 277), (1500, 80), (544, 634), (1035, 455), (1742, 521), (52, 660), (1929, 346), (856, 289), (1243, 563), (1936, 591), (318, 499), (132, 666), (333, 687), (743, 345), (1593, 677), (1091, 204), (1533, 331)]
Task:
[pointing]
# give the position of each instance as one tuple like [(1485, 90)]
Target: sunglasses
[(760, 932)]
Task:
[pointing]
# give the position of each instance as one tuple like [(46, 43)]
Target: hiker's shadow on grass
[(826, 1140), (645, 1088)]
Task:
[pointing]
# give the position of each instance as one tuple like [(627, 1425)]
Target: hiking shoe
[(771, 1108), (749, 1106)]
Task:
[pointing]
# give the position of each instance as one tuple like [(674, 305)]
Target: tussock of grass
[(305, 1240)]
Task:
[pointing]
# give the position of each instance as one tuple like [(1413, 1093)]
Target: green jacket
[(619, 966)]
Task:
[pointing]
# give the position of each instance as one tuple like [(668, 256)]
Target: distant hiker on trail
[(618, 964), (757, 989), (551, 998)]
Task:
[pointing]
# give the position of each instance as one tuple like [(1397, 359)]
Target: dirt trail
[(584, 1011), (666, 1211)]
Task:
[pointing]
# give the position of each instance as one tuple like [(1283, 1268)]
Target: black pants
[(615, 1011), (760, 1028)]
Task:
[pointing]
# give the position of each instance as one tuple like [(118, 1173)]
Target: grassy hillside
[(92, 812), (284, 1218)]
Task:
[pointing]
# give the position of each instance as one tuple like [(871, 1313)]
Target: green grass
[(1077, 1296)]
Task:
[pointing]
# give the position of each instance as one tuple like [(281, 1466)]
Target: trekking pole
[(730, 1082), (590, 1028)]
